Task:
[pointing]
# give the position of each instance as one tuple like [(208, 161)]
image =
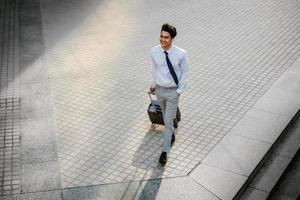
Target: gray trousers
[(168, 99)]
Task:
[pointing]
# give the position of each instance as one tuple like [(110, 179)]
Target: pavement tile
[(130, 190), (279, 101), (10, 60), (31, 32), (270, 173), (237, 154), (222, 183), (34, 71), (283, 97), (290, 80), (30, 8), (261, 125), (254, 194), (31, 49), (51, 195), (38, 140), (10, 146), (35, 100), (40, 177), (175, 188)]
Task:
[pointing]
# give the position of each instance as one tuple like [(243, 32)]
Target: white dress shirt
[(160, 72)]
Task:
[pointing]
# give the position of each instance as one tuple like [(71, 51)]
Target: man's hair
[(170, 29)]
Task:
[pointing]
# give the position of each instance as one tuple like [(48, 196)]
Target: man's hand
[(152, 90)]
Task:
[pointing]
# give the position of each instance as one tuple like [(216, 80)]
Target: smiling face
[(166, 40)]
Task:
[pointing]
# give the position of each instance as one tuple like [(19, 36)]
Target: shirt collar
[(169, 50)]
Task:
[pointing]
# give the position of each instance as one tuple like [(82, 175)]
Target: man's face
[(165, 40)]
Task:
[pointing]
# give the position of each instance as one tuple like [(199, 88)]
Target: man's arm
[(153, 82), (184, 74)]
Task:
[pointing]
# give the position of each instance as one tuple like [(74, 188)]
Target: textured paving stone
[(285, 104), (38, 141), (10, 167), (9, 49), (52, 195), (99, 72), (40, 177), (261, 125), (36, 73), (35, 100), (10, 163), (223, 184), (182, 188), (176, 188), (237, 154), (132, 190)]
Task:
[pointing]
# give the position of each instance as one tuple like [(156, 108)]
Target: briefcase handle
[(150, 95)]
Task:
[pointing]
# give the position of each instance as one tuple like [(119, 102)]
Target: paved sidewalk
[(9, 99), (84, 75)]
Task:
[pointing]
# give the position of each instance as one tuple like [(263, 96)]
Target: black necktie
[(171, 68)]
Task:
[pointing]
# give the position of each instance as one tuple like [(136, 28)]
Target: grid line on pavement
[(10, 146), (9, 99), (9, 50)]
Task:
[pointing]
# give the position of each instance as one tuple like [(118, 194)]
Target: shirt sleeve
[(154, 68), (184, 74)]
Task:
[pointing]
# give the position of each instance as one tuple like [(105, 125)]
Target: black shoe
[(173, 139), (163, 158)]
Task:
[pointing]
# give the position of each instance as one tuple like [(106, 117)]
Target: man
[(169, 74)]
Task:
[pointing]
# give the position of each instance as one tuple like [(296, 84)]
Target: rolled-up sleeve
[(154, 68), (184, 74)]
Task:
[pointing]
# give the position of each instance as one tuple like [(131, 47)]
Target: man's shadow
[(148, 169), (152, 186)]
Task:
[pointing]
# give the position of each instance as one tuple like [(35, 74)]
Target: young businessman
[(169, 74)]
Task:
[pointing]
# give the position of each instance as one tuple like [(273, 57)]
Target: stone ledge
[(242, 151)]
